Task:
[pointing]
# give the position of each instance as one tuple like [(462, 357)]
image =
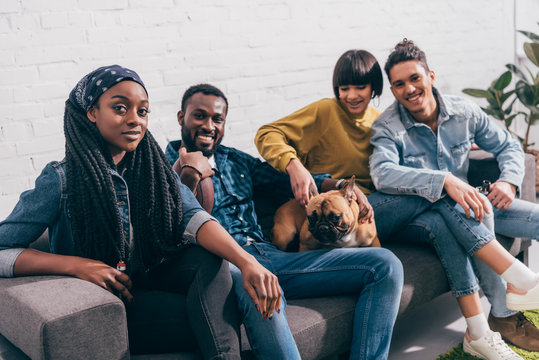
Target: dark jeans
[(187, 305)]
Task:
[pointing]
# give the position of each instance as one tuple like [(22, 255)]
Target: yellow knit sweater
[(325, 137)]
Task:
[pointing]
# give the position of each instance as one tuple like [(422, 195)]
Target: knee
[(488, 206), (245, 304), (209, 265), (388, 266), (247, 307)]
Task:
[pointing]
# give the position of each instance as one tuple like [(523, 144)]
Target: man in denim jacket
[(421, 147)]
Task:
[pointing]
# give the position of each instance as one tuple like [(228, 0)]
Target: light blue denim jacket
[(45, 206), (409, 158)]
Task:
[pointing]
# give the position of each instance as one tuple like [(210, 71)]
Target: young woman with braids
[(153, 243)]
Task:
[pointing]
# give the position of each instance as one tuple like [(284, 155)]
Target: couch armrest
[(58, 317), (527, 192)]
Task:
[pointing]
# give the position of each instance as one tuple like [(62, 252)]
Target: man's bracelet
[(192, 167), (339, 183)]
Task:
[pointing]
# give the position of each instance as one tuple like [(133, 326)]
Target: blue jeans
[(460, 268), (375, 274), (185, 304), (455, 248), (521, 219), (412, 220)]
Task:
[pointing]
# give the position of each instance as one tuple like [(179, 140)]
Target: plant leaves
[(509, 120), (525, 94), (503, 81), (529, 35), (476, 93), (506, 96), (493, 103), (491, 95), (492, 99), (516, 71), (533, 118), (508, 110), (497, 113), (532, 52)]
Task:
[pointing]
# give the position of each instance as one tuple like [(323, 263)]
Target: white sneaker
[(490, 347), (529, 301)]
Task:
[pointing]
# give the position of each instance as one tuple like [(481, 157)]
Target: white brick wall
[(269, 56)]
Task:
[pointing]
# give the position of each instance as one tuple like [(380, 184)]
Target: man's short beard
[(191, 146)]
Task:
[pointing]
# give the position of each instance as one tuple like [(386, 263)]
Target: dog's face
[(332, 215)]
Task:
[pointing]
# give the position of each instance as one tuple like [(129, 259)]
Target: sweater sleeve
[(286, 139)]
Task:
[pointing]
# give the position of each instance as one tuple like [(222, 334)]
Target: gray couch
[(55, 317)]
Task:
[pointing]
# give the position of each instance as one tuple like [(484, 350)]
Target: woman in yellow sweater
[(330, 135)]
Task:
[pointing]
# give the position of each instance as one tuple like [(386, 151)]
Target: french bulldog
[(330, 221)]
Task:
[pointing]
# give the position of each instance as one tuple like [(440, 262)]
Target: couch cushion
[(321, 326), (424, 276)]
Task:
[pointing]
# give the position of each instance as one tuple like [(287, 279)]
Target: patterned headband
[(93, 85)]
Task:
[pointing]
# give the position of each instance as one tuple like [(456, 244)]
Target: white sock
[(520, 276), (477, 326)]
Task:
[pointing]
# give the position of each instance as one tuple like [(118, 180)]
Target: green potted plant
[(501, 98)]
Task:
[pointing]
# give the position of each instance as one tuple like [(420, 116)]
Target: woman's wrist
[(72, 266), (293, 165), (245, 260)]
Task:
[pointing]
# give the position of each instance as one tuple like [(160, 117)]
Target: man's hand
[(263, 288), (466, 196), (301, 181), (104, 276), (197, 161), (502, 194)]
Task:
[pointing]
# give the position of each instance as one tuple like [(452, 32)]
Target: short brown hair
[(358, 67)]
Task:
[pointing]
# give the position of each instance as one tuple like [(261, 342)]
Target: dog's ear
[(313, 191), (348, 189)]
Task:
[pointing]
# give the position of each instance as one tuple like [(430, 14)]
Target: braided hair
[(154, 196)]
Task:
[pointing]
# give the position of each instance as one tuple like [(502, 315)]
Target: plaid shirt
[(238, 177)]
